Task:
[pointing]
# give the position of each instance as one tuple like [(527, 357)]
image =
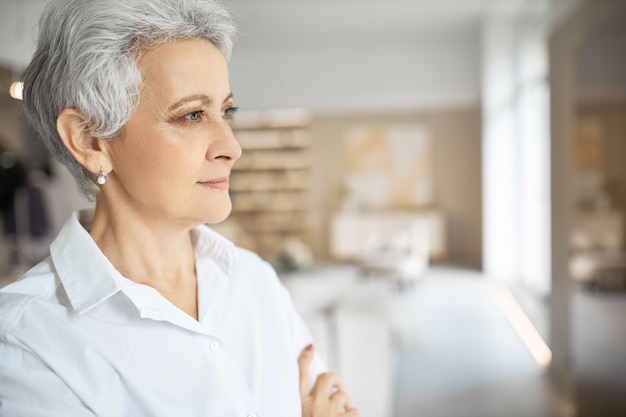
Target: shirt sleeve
[(302, 338), (29, 389)]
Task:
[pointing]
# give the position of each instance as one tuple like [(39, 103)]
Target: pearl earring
[(102, 177)]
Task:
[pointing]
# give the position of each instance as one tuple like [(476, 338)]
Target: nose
[(224, 145)]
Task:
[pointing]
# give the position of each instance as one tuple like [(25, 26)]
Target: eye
[(229, 113), (194, 116)]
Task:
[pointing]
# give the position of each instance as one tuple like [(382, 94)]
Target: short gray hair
[(86, 59)]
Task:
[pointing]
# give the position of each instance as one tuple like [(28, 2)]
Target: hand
[(326, 399)]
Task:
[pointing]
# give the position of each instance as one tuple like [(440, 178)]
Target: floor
[(458, 355), (599, 357)]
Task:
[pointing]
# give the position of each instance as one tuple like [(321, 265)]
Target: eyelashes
[(194, 116), (198, 115), (229, 113)]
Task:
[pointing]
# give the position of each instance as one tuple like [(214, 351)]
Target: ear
[(87, 150)]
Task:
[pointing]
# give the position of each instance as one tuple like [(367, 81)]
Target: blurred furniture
[(597, 251), (270, 183), (350, 321), (395, 244)]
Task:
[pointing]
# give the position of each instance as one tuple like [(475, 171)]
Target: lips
[(216, 183)]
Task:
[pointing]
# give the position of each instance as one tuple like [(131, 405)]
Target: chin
[(218, 215)]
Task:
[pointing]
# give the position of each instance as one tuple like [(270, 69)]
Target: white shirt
[(79, 339)]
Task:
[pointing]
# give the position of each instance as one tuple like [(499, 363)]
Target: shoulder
[(253, 266), (259, 276), (233, 259), (242, 266), (39, 283), (245, 258)]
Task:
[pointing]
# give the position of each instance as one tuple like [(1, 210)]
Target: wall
[(432, 77), (17, 33), (418, 68), (600, 65), (569, 81), (600, 58), (456, 133), (611, 115), (10, 121), (436, 71)]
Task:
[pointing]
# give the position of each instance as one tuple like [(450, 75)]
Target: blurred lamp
[(16, 90)]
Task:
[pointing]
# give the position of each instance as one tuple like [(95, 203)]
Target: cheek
[(154, 156), (148, 157), (168, 165)]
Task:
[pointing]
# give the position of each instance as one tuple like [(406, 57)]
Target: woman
[(140, 310)]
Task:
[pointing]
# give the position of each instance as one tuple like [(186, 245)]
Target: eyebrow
[(196, 97)]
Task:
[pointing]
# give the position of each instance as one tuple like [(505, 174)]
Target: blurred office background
[(440, 184)]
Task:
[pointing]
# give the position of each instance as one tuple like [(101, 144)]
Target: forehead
[(180, 67)]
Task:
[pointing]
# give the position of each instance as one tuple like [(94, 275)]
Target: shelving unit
[(270, 182)]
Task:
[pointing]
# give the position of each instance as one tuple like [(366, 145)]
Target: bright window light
[(522, 325)]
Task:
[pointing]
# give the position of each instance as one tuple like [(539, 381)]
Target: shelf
[(270, 201), (276, 222), (269, 184), (269, 180), (274, 139), (274, 159), (272, 119)]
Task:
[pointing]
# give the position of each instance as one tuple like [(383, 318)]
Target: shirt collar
[(86, 274), (209, 243), (89, 278)]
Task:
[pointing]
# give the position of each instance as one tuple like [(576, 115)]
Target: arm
[(325, 398), (28, 388)]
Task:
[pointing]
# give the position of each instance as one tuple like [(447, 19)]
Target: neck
[(149, 251)]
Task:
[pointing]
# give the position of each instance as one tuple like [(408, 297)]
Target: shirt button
[(215, 346)]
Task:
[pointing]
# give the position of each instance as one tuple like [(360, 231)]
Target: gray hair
[(86, 59)]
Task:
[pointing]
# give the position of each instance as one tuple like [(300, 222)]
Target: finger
[(303, 363), (340, 401), (353, 412), (324, 385)]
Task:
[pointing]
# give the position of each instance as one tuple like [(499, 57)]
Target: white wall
[(415, 73), (435, 69)]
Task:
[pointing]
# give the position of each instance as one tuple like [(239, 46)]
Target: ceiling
[(341, 20), (302, 20)]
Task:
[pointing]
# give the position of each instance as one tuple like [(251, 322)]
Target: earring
[(102, 177)]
